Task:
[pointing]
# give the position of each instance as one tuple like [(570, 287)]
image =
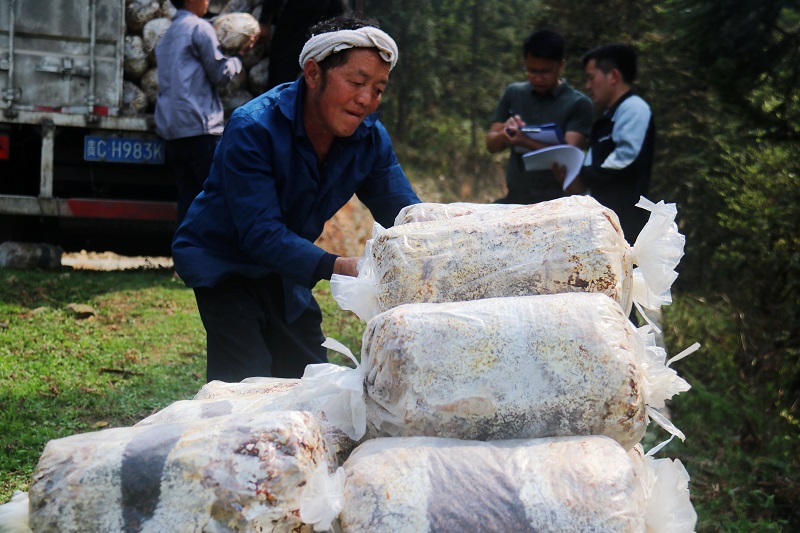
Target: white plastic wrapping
[(139, 12), (506, 368), (251, 396), (426, 212), (152, 33), (14, 514), (252, 386), (343, 391), (665, 484), (322, 498), (418, 484), (501, 368), (134, 62), (133, 98), (426, 484), (234, 30), (459, 252), (235, 473)]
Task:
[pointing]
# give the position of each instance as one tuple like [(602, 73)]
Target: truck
[(76, 168)]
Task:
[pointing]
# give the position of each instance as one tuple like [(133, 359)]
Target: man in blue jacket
[(287, 162)]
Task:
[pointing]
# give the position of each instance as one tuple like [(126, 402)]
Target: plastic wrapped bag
[(234, 30), (665, 484), (251, 396), (233, 473), (419, 484), (465, 252), (504, 368), (252, 386), (501, 368)]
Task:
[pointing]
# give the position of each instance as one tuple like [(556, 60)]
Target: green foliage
[(443, 90), (742, 460), (749, 50)]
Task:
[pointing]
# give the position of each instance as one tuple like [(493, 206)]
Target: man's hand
[(511, 130), (346, 266)]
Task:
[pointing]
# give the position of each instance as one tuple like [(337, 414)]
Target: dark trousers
[(248, 335), (190, 159)]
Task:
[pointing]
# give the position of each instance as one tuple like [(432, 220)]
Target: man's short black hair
[(177, 3), (614, 56), (544, 44), (343, 22)]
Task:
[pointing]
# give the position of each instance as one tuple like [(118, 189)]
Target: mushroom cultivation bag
[(504, 368), (233, 473), (234, 30), (427, 484), (251, 396), (468, 251)]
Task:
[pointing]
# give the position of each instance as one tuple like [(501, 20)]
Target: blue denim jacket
[(267, 199)]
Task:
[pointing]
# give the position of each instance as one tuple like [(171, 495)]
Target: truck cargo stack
[(80, 163)]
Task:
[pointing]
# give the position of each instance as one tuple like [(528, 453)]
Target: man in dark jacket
[(618, 165), (287, 162)]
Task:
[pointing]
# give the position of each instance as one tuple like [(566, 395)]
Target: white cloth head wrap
[(324, 44)]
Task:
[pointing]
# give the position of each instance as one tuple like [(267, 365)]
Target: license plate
[(123, 150)]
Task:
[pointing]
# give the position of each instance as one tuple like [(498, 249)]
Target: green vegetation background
[(722, 79)]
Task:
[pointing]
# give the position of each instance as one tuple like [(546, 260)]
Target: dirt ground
[(84, 260)]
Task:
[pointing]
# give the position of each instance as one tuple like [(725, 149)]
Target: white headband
[(321, 46)]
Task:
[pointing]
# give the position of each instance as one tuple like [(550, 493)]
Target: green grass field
[(144, 348)]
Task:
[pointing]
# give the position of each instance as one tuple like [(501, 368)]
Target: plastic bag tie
[(322, 498), (657, 251), (347, 408), (669, 508), (360, 294), (14, 517)]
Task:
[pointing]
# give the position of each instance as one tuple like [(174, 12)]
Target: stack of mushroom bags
[(501, 387)]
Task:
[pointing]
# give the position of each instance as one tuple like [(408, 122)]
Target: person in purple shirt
[(189, 115), (287, 162)]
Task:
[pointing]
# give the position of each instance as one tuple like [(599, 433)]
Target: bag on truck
[(234, 30), (469, 252)]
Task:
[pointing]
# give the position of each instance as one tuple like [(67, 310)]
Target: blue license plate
[(123, 150)]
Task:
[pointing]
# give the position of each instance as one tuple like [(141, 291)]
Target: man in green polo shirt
[(544, 98)]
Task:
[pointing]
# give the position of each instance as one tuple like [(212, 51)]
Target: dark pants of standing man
[(190, 159), (248, 335)]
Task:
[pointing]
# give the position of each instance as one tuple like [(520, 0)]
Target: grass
[(742, 447), (145, 348)]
